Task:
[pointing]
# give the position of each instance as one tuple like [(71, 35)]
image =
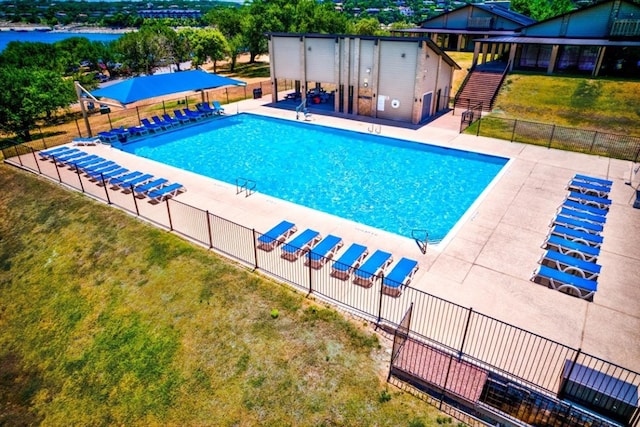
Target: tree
[(367, 27), (151, 47), (542, 9), (29, 94), (208, 43)]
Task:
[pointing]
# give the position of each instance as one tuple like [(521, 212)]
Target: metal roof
[(506, 14), (559, 41)]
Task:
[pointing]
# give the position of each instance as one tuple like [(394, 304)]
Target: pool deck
[(487, 263)]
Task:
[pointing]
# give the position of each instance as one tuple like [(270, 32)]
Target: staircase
[(480, 86)]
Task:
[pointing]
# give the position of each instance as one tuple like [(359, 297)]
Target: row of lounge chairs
[(353, 262), (106, 172), (574, 240), (157, 124)]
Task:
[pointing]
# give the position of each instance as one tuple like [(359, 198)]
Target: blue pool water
[(386, 183)]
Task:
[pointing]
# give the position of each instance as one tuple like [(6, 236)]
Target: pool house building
[(393, 78)]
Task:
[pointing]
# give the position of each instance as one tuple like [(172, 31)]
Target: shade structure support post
[(83, 108)]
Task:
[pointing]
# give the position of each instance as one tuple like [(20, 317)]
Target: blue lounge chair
[(124, 178), (95, 166), (181, 119), (194, 115), (564, 282), (590, 209), (372, 268), (91, 159), (576, 224), (137, 131), (129, 184), (585, 199), (593, 180), (323, 251), (152, 127), (582, 215), (164, 193), (277, 235), (399, 276), (205, 109), (68, 156), (217, 107), (589, 188), (569, 247), (349, 261), (593, 240), (106, 177), (110, 136), (164, 123), (142, 190), (97, 173), (571, 265), (301, 243), (46, 154), (85, 141)]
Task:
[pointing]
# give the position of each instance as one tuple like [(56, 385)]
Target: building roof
[(560, 41), (506, 14)]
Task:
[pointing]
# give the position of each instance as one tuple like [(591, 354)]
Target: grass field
[(105, 320)]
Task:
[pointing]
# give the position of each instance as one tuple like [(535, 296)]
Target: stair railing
[(504, 75)]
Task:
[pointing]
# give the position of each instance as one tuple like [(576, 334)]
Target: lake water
[(50, 37)]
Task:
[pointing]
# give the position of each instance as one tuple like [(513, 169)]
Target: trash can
[(104, 109), (257, 93)]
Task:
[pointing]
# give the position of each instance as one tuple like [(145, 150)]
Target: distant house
[(457, 29), (394, 78), (602, 39)]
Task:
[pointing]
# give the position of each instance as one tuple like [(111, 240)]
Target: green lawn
[(105, 320), (606, 105)]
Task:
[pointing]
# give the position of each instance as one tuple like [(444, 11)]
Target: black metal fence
[(472, 114), (623, 147), (489, 356)]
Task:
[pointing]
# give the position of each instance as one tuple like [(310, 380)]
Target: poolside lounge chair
[(205, 109), (164, 193), (399, 276), (349, 261), (589, 188), (576, 224), (164, 123), (569, 264), (181, 119), (141, 190), (293, 96), (124, 178), (585, 208), (574, 249), (93, 166), (88, 160), (137, 131), (593, 180), (97, 174), (593, 240), (85, 141), (372, 268), (217, 107), (111, 136), (127, 185), (153, 127), (582, 215), (276, 236), (46, 154), (195, 115), (300, 244), (323, 251), (586, 199), (68, 156), (564, 282)]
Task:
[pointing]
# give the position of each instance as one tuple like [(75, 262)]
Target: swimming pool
[(390, 184)]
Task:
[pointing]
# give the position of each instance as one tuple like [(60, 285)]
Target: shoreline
[(8, 26)]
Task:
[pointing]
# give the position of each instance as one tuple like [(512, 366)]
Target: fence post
[(637, 155), (226, 92), (36, 160), (513, 131), (464, 336), (109, 117), (310, 275), (106, 189), (55, 163), (478, 128), (15, 148), (255, 250), (135, 202), (593, 141), (164, 108), (563, 385), (209, 230), (44, 143), (78, 127), (80, 178), (553, 132), (380, 302), (169, 215)]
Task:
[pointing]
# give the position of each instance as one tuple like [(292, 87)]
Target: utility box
[(600, 392), (257, 93)]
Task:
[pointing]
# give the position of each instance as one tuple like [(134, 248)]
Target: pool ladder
[(245, 185), (375, 129), (422, 239)]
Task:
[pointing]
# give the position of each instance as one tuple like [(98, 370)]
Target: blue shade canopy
[(137, 88)]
